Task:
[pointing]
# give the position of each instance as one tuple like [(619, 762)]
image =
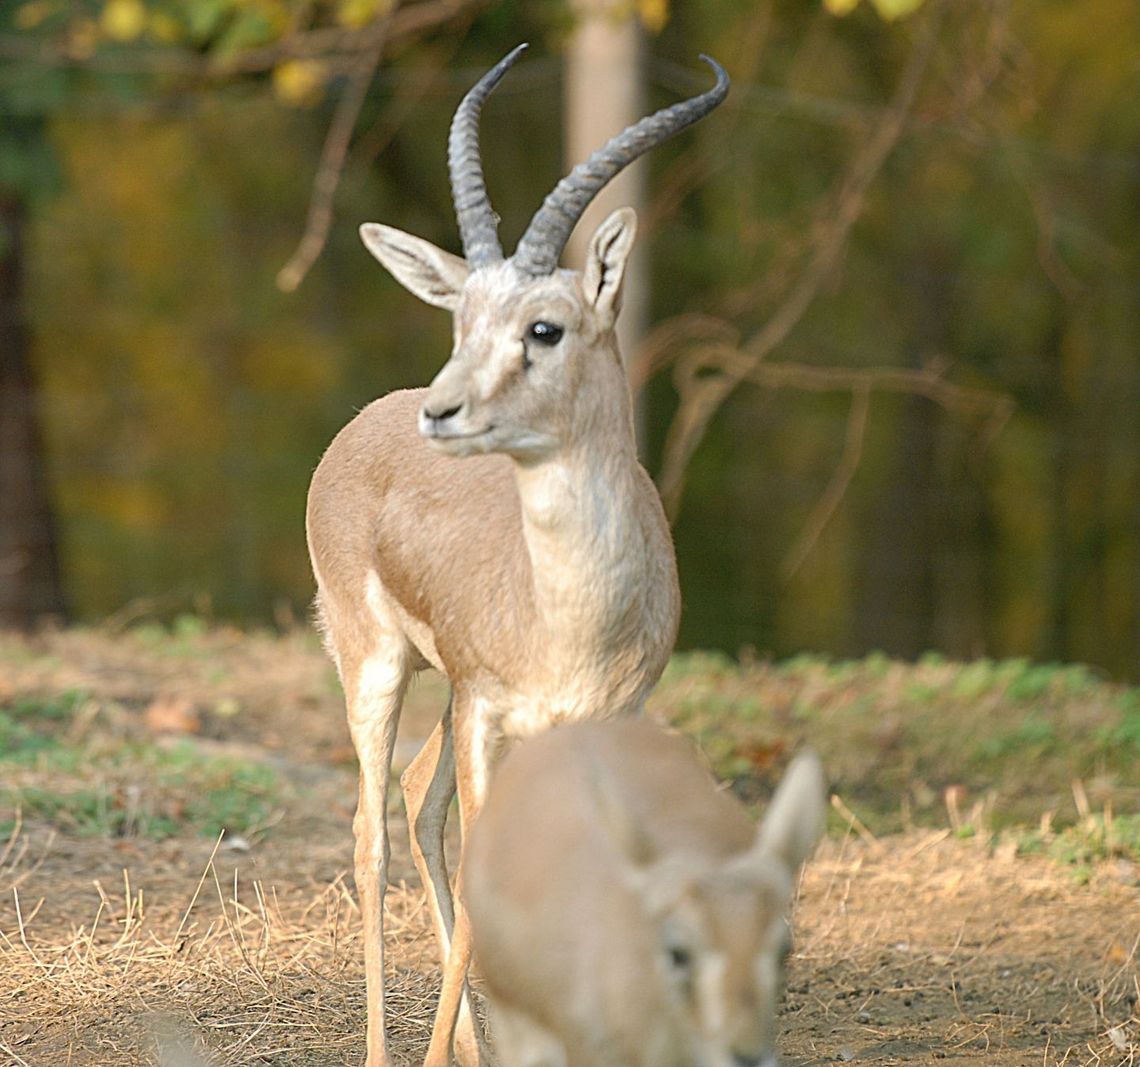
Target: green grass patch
[(185, 636), (1088, 843), (141, 790), (1010, 735), (1125, 732), (59, 763), (1032, 737), (31, 726)]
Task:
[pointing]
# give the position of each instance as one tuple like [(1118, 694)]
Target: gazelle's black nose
[(750, 1059), (443, 415)]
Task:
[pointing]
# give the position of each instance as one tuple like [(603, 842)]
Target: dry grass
[(912, 948), (916, 947), (924, 947), (234, 975)]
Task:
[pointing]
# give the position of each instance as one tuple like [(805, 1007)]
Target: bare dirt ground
[(917, 947)]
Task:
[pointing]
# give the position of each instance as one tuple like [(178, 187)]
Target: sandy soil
[(912, 948)]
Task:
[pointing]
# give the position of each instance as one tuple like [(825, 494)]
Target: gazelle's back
[(569, 784)]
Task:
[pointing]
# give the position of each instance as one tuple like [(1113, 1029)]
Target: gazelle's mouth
[(460, 444), (436, 433)]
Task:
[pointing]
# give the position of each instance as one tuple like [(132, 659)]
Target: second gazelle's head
[(720, 930), (529, 337)]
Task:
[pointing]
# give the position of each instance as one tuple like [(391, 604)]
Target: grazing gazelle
[(497, 526), (624, 910)]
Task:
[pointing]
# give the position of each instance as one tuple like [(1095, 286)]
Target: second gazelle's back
[(625, 912), (497, 525)]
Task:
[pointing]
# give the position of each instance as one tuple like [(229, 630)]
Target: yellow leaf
[(653, 14), (840, 7), (896, 9), (31, 15), (358, 13), (83, 39), (123, 20), (164, 27), (300, 82)]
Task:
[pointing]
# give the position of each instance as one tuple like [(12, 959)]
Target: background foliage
[(168, 151)]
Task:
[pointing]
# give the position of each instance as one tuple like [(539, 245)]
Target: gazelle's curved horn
[(541, 246), (473, 211)]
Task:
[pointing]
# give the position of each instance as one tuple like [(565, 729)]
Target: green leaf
[(248, 29), (896, 9), (205, 18)]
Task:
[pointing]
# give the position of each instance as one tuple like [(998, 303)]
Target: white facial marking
[(710, 992)]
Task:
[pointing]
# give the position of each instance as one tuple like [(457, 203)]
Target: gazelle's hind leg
[(374, 688), (429, 786), (428, 783), (453, 1021)]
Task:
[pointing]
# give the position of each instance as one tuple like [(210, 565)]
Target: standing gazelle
[(539, 578)]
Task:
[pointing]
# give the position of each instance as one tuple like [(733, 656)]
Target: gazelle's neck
[(585, 513)]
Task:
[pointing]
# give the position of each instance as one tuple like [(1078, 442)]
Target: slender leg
[(453, 997), (374, 691), (429, 785)]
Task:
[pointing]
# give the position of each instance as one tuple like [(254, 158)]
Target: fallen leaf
[(764, 755), (1117, 954), (169, 714)]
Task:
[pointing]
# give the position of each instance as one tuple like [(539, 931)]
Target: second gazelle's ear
[(794, 820), (606, 260), (432, 274)]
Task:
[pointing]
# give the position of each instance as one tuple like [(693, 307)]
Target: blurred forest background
[(891, 381)]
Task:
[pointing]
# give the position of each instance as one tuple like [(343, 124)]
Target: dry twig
[(330, 168), (702, 395)]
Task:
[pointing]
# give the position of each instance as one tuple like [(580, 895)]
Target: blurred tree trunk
[(1062, 555), (898, 595), (895, 606), (30, 586), (604, 93)]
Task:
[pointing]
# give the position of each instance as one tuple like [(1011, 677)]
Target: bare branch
[(333, 158), (406, 21), (673, 337), (357, 52), (704, 397), (330, 169), (837, 488), (335, 45), (703, 370)]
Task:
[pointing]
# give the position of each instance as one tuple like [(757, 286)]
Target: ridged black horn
[(477, 220), (541, 246)]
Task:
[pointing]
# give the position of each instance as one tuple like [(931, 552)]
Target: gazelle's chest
[(498, 716), (558, 688)]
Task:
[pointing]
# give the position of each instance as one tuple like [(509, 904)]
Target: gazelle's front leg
[(472, 764), (374, 692)]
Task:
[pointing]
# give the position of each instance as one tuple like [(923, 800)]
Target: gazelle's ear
[(606, 261), (432, 274), (632, 839), (794, 820)]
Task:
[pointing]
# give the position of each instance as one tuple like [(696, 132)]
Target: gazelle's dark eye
[(679, 957), (545, 333)]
